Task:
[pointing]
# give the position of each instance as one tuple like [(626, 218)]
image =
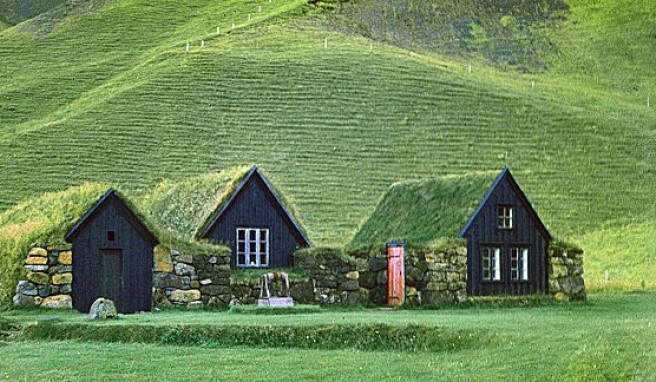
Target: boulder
[(36, 260), (195, 305), (410, 291), (36, 268), (103, 308), (185, 296), (61, 301), (162, 260), (38, 277), (182, 269), (558, 270), (62, 278), (38, 252), (65, 258), (65, 289), (302, 292)]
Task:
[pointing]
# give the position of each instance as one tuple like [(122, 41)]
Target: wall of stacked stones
[(48, 280), (331, 278), (434, 276), (190, 280), (565, 272)]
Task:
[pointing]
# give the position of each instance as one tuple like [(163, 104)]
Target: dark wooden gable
[(112, 257), (254, 204), (482, 231)]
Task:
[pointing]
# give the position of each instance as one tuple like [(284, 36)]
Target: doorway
[(111, 284)]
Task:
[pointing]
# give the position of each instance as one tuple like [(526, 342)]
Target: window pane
[(263, 260), (252, 259), (497, 264), (241, 259), (525, 264), (252, 234), (241, 234), (252, 246)]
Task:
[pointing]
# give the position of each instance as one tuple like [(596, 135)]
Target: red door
[(395, 273)]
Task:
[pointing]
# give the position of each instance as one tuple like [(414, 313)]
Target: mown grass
[(608, 338), (111, 97)]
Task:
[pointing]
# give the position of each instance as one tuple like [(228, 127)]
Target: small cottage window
[(252, 247), (491, 262), (111, 235), (519, 264), (505, 217)]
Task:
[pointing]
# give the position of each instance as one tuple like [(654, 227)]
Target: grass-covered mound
[(363, 336), (37, 222), (14, 11), (422, 212), (296, 309)]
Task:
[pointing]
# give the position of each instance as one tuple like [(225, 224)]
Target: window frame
[(257, 242), (520, 272), (505, 217), (492, 256)]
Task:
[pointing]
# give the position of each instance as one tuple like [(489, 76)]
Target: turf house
[(254, 223), (506, 243), (112, 257)]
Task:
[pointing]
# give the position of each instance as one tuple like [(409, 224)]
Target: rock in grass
[(103, 308)]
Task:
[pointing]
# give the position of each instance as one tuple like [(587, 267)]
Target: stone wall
[(565, 272), (190, 280), (330, 278), (434, 276), (49, 279)]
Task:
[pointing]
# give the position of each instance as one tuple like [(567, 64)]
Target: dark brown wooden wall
[(525, 233), (254, 207), (137, 260)]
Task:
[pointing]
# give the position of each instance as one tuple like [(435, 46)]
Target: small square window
[(505, 214), (111, 235)]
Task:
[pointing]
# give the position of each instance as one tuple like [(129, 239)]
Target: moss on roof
[(184, 206), (424, 212), (227, 192)]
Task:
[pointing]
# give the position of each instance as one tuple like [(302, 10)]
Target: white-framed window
[(505, 214), (252, 247), (491, 262), (519, 264)]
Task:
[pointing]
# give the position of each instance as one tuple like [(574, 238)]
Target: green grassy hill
[(112, 97)]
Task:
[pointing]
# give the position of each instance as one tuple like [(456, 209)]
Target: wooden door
[(111, 276), (395, 274)]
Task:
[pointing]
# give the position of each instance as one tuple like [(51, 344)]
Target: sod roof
[(423, 212)]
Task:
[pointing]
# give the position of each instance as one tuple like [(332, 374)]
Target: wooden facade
[(254, 211), (112, 257), (505, 226)]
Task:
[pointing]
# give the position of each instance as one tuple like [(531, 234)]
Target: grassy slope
[(15, 11), (121, 103), (610, 338)]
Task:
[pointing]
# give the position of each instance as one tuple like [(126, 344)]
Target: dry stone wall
[(565, 272), (331, 279), (434, 276), (48, 280), (184, 279)]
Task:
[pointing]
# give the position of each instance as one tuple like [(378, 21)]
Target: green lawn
[(612, 337)]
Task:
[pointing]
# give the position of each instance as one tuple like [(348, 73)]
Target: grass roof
[(423, 212), (172, 212)]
